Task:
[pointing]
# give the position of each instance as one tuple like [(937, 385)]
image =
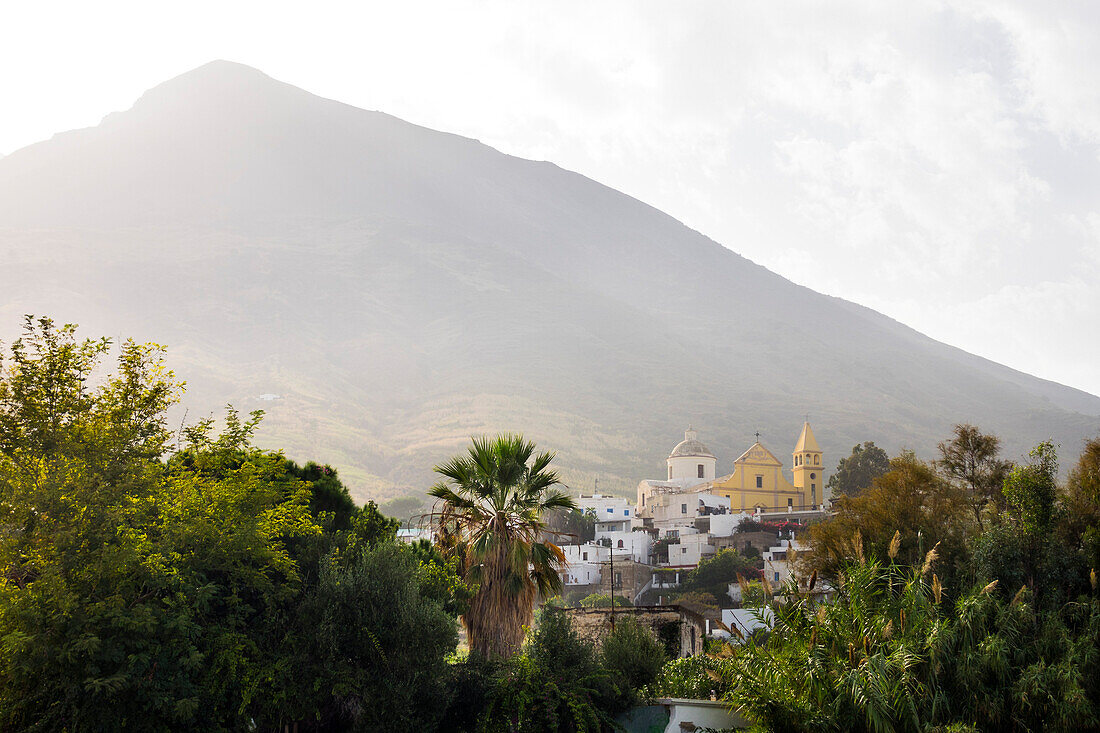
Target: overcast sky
[(938, 164)]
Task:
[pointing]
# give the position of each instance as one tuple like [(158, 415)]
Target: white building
[(635, 545), (612, 513), (583, 563), (779, 560), (693, 547)]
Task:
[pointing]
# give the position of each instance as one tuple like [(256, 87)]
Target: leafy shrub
[(599, 600), (689, 677), (633, 654), (556, 684)]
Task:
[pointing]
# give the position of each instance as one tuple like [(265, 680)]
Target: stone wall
[(672, 625)]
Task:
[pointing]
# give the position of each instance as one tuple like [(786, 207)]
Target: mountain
[(401, 289)]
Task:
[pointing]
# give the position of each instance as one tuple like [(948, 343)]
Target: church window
[(759, 482), (813, 475), (683, 508), (700, 470), (817, 460), (620, 544)]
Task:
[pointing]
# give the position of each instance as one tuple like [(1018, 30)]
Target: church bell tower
[(807, 468)]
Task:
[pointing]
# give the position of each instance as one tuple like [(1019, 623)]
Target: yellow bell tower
[(807, 468)]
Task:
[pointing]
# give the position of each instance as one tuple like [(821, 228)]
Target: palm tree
[(494, 498)]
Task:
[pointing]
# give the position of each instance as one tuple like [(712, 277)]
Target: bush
[(378, 647), (556, 684), (599, 600), (688, 677), (633, 654)]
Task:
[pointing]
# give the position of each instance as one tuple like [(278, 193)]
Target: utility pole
[(611, 548)]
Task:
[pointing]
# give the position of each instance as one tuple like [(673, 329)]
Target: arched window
[(817, 460), (620, 544)]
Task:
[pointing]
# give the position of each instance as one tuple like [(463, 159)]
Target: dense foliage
[(211, 586), (891, 653), (562, 683)]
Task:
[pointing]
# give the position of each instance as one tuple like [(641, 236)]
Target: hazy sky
[(937, 162)]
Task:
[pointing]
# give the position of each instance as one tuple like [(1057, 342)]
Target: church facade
[(758, 480)]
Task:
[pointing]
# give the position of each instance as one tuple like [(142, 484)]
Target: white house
[(778, 561), (636, 545), (612, 513), (692, 548)]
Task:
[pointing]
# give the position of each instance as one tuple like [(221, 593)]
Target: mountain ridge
[(274, 237)]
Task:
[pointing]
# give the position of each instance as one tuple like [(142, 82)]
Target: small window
[(777, 577), (620, 544), (626, 512), (683, 550), (585, 556), (813, 486), (759, 482), (683, 508), (817, 460), (670, 473), (701, 470), (610, 510), (813, 475)]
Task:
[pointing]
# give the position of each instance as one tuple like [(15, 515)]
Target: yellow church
[(758, 482)]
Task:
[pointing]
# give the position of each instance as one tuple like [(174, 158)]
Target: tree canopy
[(856, 472)]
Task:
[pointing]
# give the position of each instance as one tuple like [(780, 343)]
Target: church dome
[(690, 446)]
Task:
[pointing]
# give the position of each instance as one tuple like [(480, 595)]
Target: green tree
[(602, 600), (714, 574), (971, 459), (494, 499), (633, 655), (1032, 489), (912, 500), (856, 472), (557, 685), (136, 593), (376, 647), (1080, 525)]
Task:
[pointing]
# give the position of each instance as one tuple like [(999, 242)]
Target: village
[(633, 557)]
